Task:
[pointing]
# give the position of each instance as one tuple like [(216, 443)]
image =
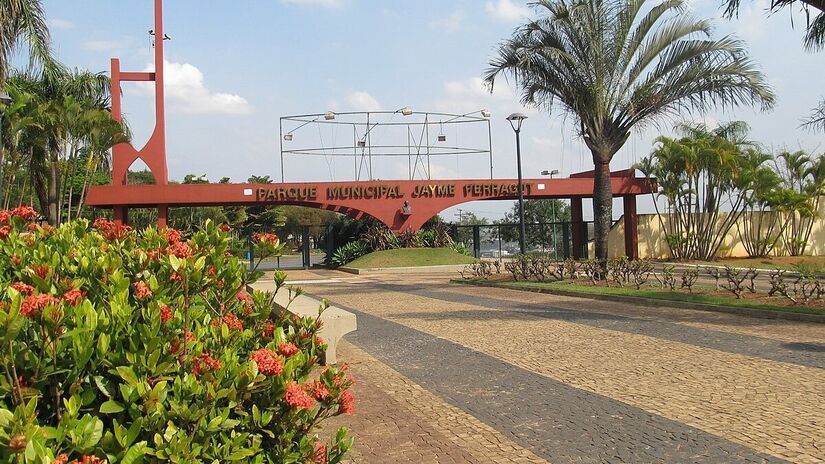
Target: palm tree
[(618, 64), (23, 21)]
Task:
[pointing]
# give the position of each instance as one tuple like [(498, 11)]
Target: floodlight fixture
[(329, 116), (442, 138), (406, 111), (288, 137), (486, 113), (550, 173), (362, 143)]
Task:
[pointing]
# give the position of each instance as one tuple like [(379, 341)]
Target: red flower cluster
[(74, 296), (142, 290), (166, 313), (319, 454), (297, 397), (61, 459), (88, 459), (111, 230), (230, 320), (204, 363), (243, 296), (268, 362), (266, 239), (287, 349), (225, 227), (27, 213), (175, 277), (25, 289), (269, 329), (318, 390), (35, 303), (175, 346), (171, 235), (4, 232), (179, 249), (41, 270), (347, 405)]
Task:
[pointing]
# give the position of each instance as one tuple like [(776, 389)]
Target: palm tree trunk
[(54, 193), (602, 206)]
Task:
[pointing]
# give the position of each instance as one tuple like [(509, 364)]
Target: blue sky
[(233, 71)]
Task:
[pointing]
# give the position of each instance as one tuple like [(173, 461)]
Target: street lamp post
[(5, 100), (553, 212), (515, 122)]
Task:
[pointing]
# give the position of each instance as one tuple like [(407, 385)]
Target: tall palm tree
[(23, 22), (618, 64)]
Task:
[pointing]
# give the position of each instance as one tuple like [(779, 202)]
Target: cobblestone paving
[(769, 406), (398, 421), (806, 354), (554, 420)]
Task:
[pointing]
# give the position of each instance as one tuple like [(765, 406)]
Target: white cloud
[(362, 101), (57, 23), (321, 3), (451, 23), (750, 24), (507, 10), (186, 91), (103, 45), (472, 94)]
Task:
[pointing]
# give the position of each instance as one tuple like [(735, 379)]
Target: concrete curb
[(405, 270), (752, 312), (337, 322)]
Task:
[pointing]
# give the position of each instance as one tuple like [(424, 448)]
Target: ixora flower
[(110, 229), (268, 362), (287, 349), (204, 363), (26, 213), (33, 304), (243, 296), (319, 454), (166, 313), (179, 249), (266, 239), (297, 397), (74, 296), (25, 289), (318, 390), (347, 405), (41, 270), (142, 290), (230, 320), (171, 235)]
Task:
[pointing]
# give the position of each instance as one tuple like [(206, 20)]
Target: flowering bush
[(131, 347)]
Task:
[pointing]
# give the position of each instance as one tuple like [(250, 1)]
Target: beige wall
[(653, 245)]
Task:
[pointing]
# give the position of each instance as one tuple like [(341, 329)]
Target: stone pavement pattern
[(576, 380)]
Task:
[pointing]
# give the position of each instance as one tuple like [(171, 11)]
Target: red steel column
[(163, 216), (577, 224), (631, 227), (121, 215)]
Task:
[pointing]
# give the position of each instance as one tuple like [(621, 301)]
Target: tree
[(619, 64), (545, 211), (698, 175), (23, 21)]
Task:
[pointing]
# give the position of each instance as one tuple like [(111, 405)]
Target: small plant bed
[(410, 257), (789, 263), (640, 280)]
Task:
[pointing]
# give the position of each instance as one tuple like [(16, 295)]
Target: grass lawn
[(409, 257), (811, 263), (704, 295)]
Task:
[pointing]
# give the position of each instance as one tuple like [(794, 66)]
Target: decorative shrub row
[(143, 347), (798, 287)]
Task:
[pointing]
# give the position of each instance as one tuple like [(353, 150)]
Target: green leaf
[(111, 407), (127, 374), (135, 453)]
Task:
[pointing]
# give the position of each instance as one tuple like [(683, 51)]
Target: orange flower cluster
[(230, 320), (74, 296), (268, 362), (36, 303), (204, 363), (297, 397), (142, 290), (287, 349), (111, 230), (25, 289), (265, 239), (166, 313)]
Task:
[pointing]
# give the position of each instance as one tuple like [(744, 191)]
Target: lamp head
[(288, 137), (329, 116), (406, 111), (486, 114), (515, 120)]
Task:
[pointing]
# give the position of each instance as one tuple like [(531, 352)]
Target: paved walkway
[(462, 374)]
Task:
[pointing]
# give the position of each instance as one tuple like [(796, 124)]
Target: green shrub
[(349, 252), (142, 347)]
